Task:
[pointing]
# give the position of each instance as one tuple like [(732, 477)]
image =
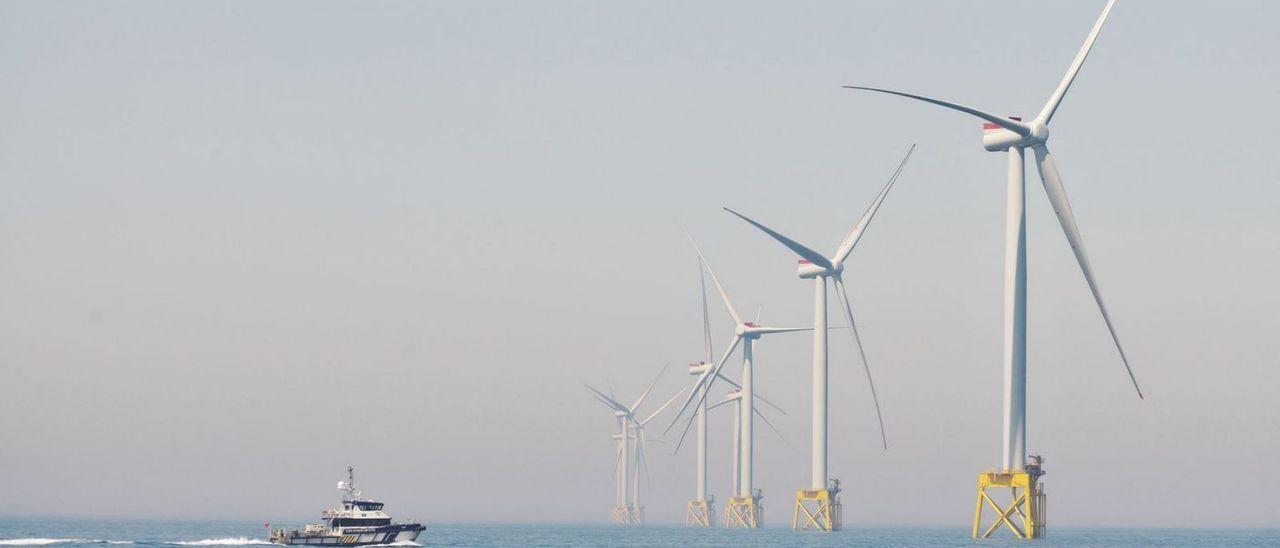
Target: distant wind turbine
[(628, 509), (745, 501)]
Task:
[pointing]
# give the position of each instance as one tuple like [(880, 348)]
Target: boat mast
[(351, 484)]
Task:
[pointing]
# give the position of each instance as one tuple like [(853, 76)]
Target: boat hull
[(363, 537)]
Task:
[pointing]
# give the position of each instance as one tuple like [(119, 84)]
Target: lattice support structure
[(745, 512), (1023, 514), (628, 515), (700, 513), (818, 509)]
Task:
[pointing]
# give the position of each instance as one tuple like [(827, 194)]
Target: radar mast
[(350, 486)]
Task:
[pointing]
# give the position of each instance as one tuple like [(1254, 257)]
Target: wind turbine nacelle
[(698, 368), (995, 138), (806, 269)]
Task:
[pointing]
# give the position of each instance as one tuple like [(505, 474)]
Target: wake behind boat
[(360, 522)]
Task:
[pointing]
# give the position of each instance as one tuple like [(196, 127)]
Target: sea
[(100, 533)]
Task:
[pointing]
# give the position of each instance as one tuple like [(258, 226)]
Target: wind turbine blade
[(603, 402), (664, 406), (771, 330), (1011, 125), (1051, 105), (772, 427), (730, 399), (641, 459), (854, 235), (611, 402), (770, 404), (762, 399), (731, 382), (809, 254), (1058, 198), (704, 384), (684, 433), (857, 341), (636, 405), (617, 461), (733, 312), (706, 316)]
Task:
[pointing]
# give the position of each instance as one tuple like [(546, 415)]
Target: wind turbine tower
[(744, 508), (1020, 472), (698, 514), (701, 510), (818, 505), (628, 464), (623, 512), (735, 517)]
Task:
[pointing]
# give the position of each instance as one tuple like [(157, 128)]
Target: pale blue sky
[(243, 245)]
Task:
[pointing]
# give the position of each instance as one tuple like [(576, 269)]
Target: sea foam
[(47, 541), (227, 541)]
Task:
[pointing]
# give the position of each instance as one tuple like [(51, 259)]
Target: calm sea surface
[(68, 533)]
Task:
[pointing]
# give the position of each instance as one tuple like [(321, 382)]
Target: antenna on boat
[(350, 485)]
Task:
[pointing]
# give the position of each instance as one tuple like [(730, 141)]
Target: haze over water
[(81, 533), (245, 245)]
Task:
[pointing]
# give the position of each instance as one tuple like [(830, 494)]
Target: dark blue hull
[(361, 536)]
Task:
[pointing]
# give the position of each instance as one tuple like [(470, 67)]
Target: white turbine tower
[(744, 506), (641, 460), (819, 503), (628, 509), (735, 397), (701, 510), (1013, 136)]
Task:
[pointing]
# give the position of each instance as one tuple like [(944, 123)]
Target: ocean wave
[(48, 541), (225, 541)]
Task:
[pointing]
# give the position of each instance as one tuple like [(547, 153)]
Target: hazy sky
[(243, 245)]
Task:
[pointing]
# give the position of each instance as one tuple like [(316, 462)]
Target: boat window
[(358, 522)]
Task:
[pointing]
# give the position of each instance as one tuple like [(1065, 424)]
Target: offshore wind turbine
[(1012, 136), (701, 510), (820, 503), (641, 461), (735, 456), (744, 507), (627, 509), (735, 397), (623, 511)]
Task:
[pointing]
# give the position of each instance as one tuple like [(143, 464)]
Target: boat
[(359, 522)]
